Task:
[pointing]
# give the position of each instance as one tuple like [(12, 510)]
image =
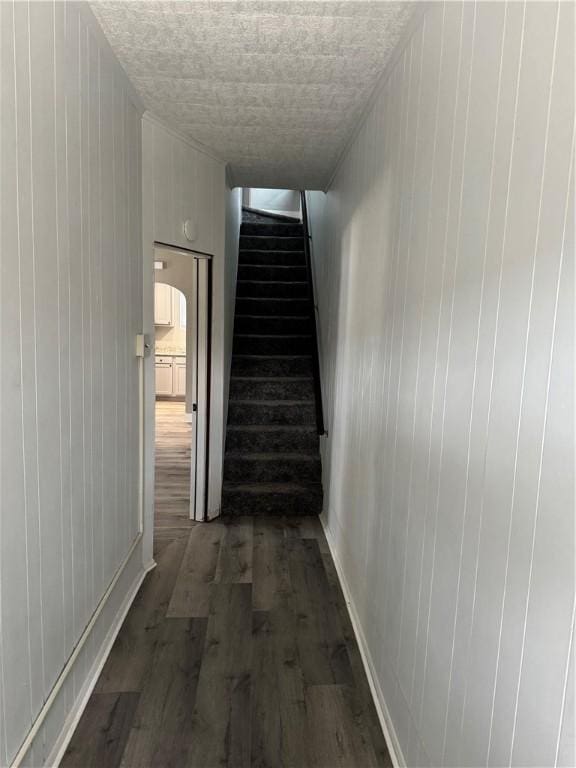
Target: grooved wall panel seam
[(53, 378), (419, 496), (473, 394), (524, 365)]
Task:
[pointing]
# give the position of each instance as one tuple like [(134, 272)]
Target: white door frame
[(193, 280), (202, 390)]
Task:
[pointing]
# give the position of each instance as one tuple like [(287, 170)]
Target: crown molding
[(412, 26)]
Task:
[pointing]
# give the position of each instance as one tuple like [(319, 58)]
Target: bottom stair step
[(271, 498)]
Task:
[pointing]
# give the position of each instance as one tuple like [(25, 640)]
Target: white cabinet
[(179, 376), (163, 304), (163, 378), (170, 376)]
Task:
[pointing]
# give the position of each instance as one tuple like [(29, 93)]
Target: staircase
[(272, 464)]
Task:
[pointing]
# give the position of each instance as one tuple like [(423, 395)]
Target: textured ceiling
[(274, 87)]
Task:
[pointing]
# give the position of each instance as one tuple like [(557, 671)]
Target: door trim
[(198, 291)]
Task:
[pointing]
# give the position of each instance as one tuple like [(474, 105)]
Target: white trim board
[(63, 740), (382, 710)]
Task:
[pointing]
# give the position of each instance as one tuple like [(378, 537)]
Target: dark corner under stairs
[(272, 462)]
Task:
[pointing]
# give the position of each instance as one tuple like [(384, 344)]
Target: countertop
[(169, 352)]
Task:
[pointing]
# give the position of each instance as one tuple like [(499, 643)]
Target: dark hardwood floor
[(237, 651)]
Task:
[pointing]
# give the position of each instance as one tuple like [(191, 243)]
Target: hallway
[(238, 650), (341, 231)]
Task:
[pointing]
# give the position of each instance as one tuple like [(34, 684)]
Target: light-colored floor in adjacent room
[(172, 483)]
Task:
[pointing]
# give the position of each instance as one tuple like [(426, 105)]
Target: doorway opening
[(181, 367)]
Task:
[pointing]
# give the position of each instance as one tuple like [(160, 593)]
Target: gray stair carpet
[(272, 463)]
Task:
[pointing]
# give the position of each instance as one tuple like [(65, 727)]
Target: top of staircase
[(255, 216)]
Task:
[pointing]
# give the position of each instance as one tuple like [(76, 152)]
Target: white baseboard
[(61, 744), (386, 724)]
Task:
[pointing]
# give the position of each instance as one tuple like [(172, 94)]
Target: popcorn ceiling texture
[(273, 87)]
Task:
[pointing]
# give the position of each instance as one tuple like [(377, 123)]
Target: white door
[(189, 376), (191, 385), (203, 267)]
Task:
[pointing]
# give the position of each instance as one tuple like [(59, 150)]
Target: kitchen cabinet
[(170, 376), (164, 384), (163, 304), (179, 376)]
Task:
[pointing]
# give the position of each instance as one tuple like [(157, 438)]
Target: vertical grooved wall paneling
[(187, 183), (71, 306), (444, 270)]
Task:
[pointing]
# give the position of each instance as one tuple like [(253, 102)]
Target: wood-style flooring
[(237, 651), (172, 483)]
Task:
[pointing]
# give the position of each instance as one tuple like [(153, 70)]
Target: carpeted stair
[(272, 464)]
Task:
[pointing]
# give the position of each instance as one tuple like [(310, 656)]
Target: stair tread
[(273, 335), (267, 250), (271, 298), (273, 282), (274, 266), (302, 487), (272, 427), (245, 356), (280, 379), (270, 456), (271, 402), (275, 317)]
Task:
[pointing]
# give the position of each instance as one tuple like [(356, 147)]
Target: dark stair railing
[(315, 355)]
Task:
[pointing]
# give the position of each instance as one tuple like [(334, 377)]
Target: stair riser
[(272, 441), (264, 366), (269, 290), (240, 470), (282, 230), (238, 503), (272, 307), (281, 325), (271, 345), (277, 258), (262, 272), (264, 413), (253, 242), (251, 389)]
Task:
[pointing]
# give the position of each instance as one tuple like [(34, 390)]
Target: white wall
[(71, 306), (180, 182), (282, 201), (444, 258), (233, 221)]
